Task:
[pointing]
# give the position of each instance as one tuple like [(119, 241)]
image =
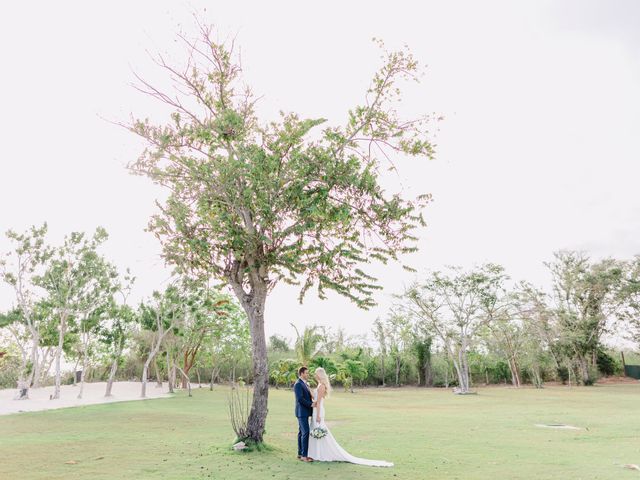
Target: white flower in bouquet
[(319, 432)]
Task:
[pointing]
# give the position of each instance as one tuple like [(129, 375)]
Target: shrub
[(9, 371), (607, 365)]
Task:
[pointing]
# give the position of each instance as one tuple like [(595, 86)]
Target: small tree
[(350, 370), (113, 338), (380, 333), (77, 283), (228, 345), (329, 365), (398, 328), (160, 318), (20, 269), (115, 333), (284, 372), (421, 348), (206, 311), (307, 345)]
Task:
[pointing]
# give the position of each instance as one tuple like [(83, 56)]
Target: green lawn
[(428, 433)]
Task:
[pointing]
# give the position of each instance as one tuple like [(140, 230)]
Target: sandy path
[(93, 394)]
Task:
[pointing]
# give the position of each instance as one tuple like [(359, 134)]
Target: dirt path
[(93, 394)]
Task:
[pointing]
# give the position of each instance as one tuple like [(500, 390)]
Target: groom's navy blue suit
[(304, 409)]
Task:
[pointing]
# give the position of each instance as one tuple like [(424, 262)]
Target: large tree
[(255, 203), (456, 306), (205, 317), (587, 296)]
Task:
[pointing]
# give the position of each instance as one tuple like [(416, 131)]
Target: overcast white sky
[(538, 151)]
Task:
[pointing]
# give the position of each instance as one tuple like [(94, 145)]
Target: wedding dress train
[(326, 449)]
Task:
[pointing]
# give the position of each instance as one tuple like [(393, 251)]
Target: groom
[(304, 410)]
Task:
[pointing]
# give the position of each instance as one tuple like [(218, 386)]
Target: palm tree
[(351, 370), (307, 344), (326, 363)]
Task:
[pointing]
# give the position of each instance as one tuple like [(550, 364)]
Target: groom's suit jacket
[(303, 399)]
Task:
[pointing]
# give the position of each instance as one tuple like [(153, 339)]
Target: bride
[(326, 449)]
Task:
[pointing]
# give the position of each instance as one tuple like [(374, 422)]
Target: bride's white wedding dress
[(326, 449)]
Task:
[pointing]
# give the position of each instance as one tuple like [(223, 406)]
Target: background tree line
[(459, 328), (454, 328), (72, 313)]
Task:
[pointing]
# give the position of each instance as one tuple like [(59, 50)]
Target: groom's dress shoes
[(307, 459)]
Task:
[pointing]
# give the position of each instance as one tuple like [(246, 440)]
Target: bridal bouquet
[(319, 432)]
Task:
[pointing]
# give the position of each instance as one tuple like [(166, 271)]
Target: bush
[(593, 377), (9, 371), (440, 383), (500, 372), (607, 365)]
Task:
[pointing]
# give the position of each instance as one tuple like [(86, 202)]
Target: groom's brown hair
[(301, 370)]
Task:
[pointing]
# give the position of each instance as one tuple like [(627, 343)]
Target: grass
[(428, 433)]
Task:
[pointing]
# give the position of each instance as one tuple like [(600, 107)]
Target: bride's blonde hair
[(323, 378)]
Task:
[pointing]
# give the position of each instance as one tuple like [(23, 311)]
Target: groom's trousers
[(303, 436)]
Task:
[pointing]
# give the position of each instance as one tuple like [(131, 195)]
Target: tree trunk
[(215, 375), (458, 370), (398, 362), (145, 372), (45, 371), (382, 364), (465, 372), (112, 375), (158, 377), (75, 369), (37, 372), (169, 373), (462, 369), (185, 378), (25, 380), (61, 334), (188, 360), (254, 304), (515, 375), (82, 376), (446, 376), (584, 369), (428, 375), (198, 377), (152, 355)]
